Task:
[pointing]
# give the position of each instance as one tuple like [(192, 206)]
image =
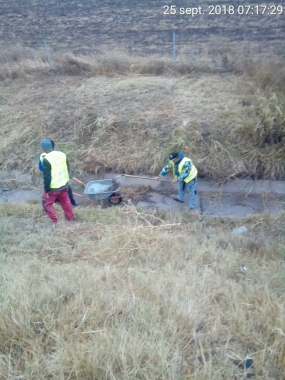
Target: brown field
[(137, 27)]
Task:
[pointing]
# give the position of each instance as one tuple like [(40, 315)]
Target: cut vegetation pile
[(120, 294)]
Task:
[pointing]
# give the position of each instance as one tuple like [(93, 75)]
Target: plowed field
[(143, 27)]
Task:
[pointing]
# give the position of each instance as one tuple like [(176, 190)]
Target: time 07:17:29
[(246, 9)]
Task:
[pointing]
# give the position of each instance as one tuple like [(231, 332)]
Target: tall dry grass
[(122, 294), (19, 61), (101, 109)]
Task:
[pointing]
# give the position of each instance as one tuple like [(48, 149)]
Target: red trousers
[(62, 196)]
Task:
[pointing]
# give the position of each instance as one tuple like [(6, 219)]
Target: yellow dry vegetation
[(123, 294), (230, 123)]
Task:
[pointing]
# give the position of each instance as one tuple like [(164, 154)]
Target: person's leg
[(70, 194), (65, 204), (48, 201), (181, 191), (193, 193), (43, 204)]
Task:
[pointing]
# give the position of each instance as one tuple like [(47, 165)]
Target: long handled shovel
[(137, 176)]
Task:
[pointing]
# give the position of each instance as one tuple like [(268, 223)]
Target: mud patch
[(209, 203), (20, 195)]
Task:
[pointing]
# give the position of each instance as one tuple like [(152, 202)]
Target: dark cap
[(173, 155), (46, 145)]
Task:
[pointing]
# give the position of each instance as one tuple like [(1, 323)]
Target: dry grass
[(139, 298), (224, 122), (266, 69), (119, 293), (20, 62)]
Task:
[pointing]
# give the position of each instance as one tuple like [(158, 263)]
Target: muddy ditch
[(236, 198)]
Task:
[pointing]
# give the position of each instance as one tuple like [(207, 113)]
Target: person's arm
[(165, 170), (40, 164), (186, 169), (40, 161), (67, 164), (47, 175)]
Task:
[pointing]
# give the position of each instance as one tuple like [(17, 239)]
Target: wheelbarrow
[(100, 190)]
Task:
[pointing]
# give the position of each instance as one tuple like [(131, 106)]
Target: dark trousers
[(70, 194)]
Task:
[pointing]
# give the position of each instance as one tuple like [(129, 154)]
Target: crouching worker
[(185, 174), (56, 177)]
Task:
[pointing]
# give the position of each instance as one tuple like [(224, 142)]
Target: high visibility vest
[(193, 172), (59, 170)]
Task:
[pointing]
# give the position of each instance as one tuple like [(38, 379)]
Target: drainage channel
[(237, 198)]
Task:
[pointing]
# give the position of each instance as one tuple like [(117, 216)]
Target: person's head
[(47, 145), (174, 157)]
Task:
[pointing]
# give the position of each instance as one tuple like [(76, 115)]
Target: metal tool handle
[(137, 176), (77, 180), (82, 196)]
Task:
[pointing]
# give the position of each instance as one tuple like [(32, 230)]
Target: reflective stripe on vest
[(59, 171), (193, 172)]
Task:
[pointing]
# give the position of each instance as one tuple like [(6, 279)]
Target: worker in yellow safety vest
[(56, 177), (69, 189), (185, 174)]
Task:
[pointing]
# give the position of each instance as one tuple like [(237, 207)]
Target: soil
[(209, 204), (139, 27), (238, 198)]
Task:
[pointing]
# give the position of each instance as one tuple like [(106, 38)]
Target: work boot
[(178, 200)]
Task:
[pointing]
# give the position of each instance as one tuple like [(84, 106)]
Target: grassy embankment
[(124, 295), (126, 114)]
